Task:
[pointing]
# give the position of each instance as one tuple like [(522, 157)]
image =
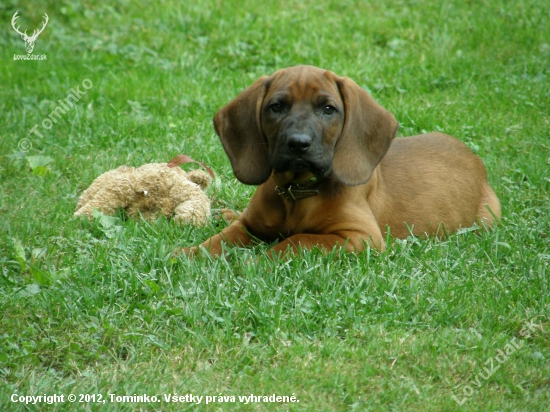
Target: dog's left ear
[(366, 136)]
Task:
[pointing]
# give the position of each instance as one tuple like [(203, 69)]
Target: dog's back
[(428, 180)]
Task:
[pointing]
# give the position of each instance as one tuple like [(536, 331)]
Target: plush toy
[(151, 190)]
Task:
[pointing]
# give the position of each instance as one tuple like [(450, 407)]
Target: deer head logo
[(29, 40)]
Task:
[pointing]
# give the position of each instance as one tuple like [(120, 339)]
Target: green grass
[(87, 308)]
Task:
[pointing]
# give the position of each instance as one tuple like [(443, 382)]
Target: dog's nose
[(299, 143)]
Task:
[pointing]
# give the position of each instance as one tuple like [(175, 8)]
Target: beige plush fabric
[(150, 190)]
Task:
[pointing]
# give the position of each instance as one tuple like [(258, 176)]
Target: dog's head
[(305, 119)]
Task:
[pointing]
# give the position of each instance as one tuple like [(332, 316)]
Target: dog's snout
[(299, 143)]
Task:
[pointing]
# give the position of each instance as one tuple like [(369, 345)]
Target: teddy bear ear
[(199, 177)]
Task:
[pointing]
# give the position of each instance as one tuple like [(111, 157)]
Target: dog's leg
[(234, 234), (489, 206), (351, 241)]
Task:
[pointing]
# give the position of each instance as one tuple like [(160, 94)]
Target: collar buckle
[(299, 190)]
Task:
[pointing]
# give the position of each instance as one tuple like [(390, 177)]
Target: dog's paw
[(185, 251), (228, 215)]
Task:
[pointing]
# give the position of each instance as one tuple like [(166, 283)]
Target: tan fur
[(430, 184), (149, 191)]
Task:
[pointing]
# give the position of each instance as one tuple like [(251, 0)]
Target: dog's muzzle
[(300, 153)]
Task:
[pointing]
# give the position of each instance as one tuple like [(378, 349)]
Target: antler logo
[(29, 40)]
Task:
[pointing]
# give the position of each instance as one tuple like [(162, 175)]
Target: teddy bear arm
[(107, 194), (199, 177)]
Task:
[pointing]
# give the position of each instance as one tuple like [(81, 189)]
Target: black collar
[(297, 191)]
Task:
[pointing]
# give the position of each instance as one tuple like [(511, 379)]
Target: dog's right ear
[(238, 126)]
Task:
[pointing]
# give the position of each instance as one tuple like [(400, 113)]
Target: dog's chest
[(300, 216)]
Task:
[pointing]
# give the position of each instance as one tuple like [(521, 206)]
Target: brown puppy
[(330, 173)]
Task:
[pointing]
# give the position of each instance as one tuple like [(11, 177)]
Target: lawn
[(100, 310)]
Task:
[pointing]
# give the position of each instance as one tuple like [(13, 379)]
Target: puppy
[(330, 172)]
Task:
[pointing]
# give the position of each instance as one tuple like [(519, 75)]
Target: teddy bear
[(149, 191)]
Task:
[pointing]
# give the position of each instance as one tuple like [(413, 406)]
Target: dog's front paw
[(228, 215), (185, 251)]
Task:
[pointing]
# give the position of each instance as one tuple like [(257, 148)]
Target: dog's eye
[(276, 107), (328, 110)]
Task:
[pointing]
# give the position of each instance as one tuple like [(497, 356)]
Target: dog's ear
[(366, 136), (238, 126)]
